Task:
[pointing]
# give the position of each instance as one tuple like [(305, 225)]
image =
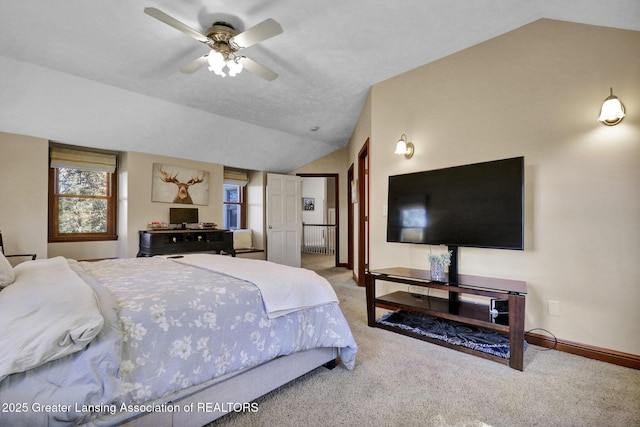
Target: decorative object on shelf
[(438, 263), (612, 111), (193, 185), (404, 147), (157, 225)]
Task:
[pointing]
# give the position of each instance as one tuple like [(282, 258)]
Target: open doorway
[(320, 221)]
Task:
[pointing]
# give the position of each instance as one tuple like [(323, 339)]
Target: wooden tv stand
[(453, 308)]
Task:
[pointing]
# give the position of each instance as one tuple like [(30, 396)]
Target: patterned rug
[(453, 332)]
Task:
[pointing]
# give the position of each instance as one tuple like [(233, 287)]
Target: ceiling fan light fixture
[(234, 66), (216, 62), (224, 41)]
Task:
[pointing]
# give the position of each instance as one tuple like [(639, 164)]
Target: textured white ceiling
[(104, 74)]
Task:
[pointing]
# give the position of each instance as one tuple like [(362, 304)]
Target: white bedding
[(167, 327), (280, 296), (47, 313)]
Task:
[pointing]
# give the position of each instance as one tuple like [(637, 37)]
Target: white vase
[(437, 271)]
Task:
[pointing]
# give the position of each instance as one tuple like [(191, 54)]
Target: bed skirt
[(211, 400)]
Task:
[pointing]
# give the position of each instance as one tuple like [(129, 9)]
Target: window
[(234, 199), (234, 207), (82, 196)]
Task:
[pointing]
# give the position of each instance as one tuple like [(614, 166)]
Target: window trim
[(112, 214)]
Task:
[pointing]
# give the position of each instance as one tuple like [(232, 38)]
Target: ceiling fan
[(225, 43)]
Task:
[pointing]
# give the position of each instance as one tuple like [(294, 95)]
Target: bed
[(159, 341)]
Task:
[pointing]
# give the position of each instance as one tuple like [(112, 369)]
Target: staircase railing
[(319, 239)]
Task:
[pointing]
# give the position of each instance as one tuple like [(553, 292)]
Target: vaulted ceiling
[(104, 74)]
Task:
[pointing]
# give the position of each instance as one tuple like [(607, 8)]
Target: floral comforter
[(180, 326)]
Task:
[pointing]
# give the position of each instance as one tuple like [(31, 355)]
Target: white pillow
[(47, 313), (242, 239), (7, 274)]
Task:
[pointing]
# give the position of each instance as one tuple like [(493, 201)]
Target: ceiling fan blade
[(163, 17), (264, 30), (258, 69), (194, 65)]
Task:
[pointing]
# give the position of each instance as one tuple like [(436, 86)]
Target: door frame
[(350, 218), (364, 172), (337, 197)]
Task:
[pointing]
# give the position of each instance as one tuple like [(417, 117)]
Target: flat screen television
[(476, 205), (183, 216)]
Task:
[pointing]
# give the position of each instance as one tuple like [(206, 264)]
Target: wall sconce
[(612, 111), (403, 147)]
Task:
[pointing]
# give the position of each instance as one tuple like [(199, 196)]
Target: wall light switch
[(384, 210)]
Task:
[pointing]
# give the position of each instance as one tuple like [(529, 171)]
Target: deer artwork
[(183, 187)]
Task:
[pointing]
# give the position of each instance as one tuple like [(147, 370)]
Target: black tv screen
[(477, 205), (183, 215)]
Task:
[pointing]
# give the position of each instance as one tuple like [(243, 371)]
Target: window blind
[(85, 160), (236, 177)]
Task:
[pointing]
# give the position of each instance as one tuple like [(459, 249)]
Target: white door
[(284, 219)]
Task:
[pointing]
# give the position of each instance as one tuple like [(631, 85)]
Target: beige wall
[(535, 92), (23, 187)]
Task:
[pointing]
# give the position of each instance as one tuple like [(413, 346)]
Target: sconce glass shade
[(401, 147), (612, 111), (404, 148)]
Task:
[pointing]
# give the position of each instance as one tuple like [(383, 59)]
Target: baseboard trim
[(592, 352)]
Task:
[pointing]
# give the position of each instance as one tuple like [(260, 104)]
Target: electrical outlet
[(554, 308)]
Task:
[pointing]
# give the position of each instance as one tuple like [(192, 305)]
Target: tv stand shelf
[(452, 308)]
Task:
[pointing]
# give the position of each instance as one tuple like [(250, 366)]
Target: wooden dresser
[(162, 242)]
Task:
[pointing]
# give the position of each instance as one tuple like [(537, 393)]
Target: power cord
[(555, 340), (421, 296)]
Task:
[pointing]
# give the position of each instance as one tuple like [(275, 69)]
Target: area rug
[(450, 331)]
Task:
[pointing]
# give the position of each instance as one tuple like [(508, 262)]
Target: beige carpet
[(400, 381)]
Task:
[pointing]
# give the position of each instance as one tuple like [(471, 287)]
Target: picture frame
[(174, 184), (308, 203)]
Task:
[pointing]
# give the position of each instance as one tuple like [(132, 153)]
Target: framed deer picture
[(173, 184)]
